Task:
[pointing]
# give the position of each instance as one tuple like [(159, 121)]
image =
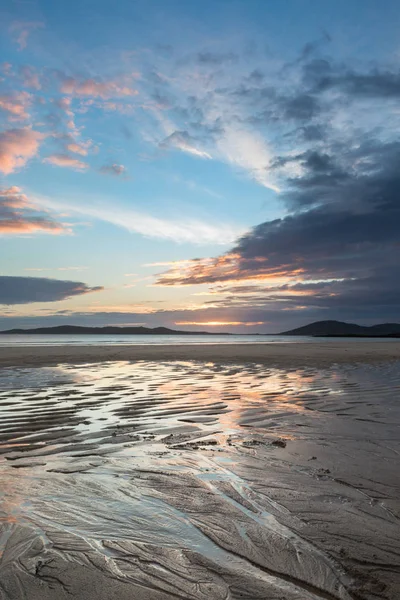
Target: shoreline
[(286, 355)]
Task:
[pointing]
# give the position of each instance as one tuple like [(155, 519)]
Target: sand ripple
[(194, 480)]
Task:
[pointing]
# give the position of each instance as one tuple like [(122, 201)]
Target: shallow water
[(121, 451), (20, 340)]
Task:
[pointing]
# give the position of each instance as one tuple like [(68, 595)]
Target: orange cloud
[(95, 88), (21, 226), (63, 160), (231, 267), (17, 146)]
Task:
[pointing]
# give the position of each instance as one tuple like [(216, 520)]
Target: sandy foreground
[(265, 472), (285, 355)]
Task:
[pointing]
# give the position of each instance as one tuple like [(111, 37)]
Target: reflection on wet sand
[(200, 480)]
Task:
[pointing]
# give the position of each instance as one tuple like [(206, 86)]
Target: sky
[(220, 165)]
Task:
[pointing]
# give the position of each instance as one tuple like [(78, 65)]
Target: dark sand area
[(154, 473)]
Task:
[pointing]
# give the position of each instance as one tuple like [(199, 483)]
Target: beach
[(286, 355), (253, 471)]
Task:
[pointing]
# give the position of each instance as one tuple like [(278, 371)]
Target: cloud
[(21, 31), (81, 148), (95, 88), (180, 230), (216, 58), (64, 160), (248, 151), (30, 77), (323, 75), (114, 169), (185, 142), (16, 105), (41, 269), (248, 113), (325, 136), (221, 323), (18, 215), (17, 146), (336, 251), (24, 290), (302, 107)]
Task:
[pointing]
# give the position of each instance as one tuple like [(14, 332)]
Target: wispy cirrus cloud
[(178, 229), (183, 141), (248, 151), (42, 269), (17, 147)]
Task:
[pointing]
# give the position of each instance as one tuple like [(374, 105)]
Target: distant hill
[(340, 329), (108, 330)]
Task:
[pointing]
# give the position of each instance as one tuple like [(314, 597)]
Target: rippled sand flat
[(200, 480)]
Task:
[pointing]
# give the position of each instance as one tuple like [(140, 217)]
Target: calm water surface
[(123, 340)]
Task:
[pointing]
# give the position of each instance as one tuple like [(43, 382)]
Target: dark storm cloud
[(342, 239), (302, 107), (322, 75), (24, 290), (351, 214), (313, 133)]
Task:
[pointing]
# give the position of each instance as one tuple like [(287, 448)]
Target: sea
[(159, 340)]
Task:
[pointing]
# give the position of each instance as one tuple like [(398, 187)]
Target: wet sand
[(268, 476), (284, 355)]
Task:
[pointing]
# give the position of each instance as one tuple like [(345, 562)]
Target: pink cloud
[(12, 197), (21, 31), (17, 146), (18, 215), (16, 105), (81, 148), (21, 226), (64, 104), (95, 88), (63, 160)]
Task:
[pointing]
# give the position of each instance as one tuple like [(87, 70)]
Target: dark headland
[(316, 329), (341, 329), (107, 330)]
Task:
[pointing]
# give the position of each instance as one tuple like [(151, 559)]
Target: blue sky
[(225, 165)]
